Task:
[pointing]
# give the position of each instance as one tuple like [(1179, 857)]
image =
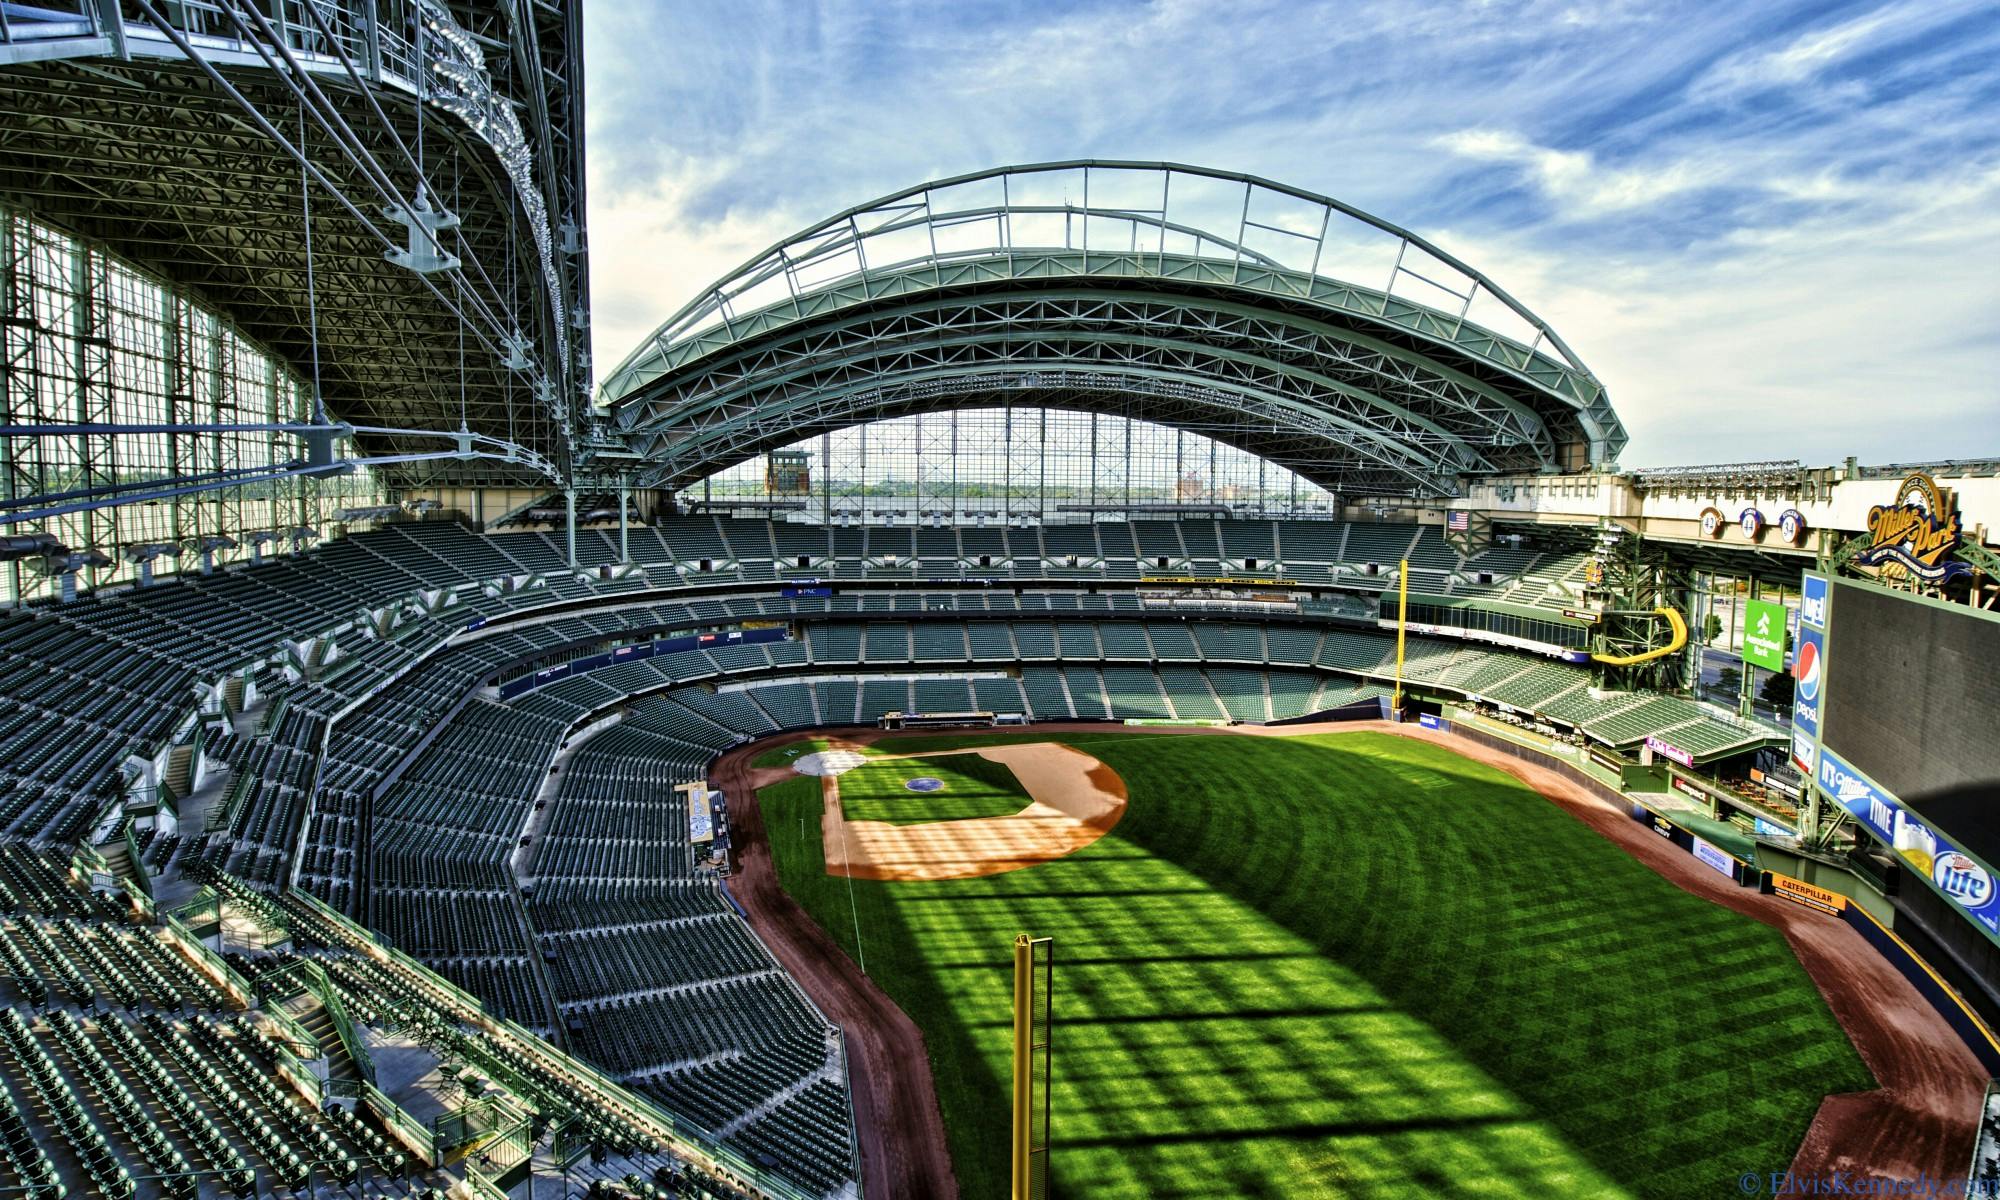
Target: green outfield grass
[(1355, 964), (785, 755), (973, 787)]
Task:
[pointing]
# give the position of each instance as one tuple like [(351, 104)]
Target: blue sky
[(1773, 230)]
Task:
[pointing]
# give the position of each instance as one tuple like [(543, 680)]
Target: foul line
[(861, 956)]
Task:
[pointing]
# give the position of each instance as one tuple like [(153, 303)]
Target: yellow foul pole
[(1402, 620), (1024, 976)]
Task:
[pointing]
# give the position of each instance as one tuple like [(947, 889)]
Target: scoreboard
[(1897, 716)]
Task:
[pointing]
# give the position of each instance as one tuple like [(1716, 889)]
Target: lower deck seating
[(656, 978), (132, 1066), (390, 783)]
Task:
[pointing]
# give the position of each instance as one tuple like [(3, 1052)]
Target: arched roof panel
[(1122, 245)]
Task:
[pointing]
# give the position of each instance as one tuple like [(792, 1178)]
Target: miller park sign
[(1917, 535)]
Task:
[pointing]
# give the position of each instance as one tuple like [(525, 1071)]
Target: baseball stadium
[(1086, 678)]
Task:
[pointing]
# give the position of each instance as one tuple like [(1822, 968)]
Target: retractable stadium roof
[(1282, 322)]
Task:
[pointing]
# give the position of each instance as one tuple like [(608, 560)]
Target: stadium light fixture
[(19, 546)]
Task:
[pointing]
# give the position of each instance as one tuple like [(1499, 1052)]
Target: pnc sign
[(1917, 534)]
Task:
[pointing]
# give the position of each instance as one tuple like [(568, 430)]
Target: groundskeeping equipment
[(1034, 978)]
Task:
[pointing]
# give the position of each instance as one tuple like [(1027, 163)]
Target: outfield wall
[(1944, 993), (1950, 1004)]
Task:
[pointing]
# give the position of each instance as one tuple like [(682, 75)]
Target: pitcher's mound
[(1075, 800)]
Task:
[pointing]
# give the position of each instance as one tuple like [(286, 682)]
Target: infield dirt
[(1075, 800)]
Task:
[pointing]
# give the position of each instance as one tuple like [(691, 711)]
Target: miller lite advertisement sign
[(1961, 878)]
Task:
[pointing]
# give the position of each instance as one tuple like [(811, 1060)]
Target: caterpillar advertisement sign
[(1798, 891)]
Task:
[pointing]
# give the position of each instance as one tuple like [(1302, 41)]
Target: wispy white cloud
[(649, 256), (1770, 209), (1822, 339), (1575, 178), (1805, 57)]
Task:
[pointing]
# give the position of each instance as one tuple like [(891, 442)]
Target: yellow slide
[(1674, 643)]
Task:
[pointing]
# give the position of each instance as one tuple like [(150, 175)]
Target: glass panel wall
[(88, 340), (1009, 463)]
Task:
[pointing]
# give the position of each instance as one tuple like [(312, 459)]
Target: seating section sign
[(1764, 634)]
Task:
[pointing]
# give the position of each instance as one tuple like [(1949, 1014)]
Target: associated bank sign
[(1957, 874)]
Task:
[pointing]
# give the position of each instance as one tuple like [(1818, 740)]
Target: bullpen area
[(1349, 963)]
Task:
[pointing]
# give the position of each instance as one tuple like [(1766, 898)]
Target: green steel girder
[(736, 404), (149, 158), (1487, 413), (680, 457), (656, 356), (1233, 277), (1252, 364), (863, 389)]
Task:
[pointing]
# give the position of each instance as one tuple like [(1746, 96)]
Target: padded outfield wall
[(1899, 715)]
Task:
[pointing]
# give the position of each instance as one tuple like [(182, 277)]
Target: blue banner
[(1812, 602), (1959, 876), (1713, 858), (636, 651), (1808, 668)]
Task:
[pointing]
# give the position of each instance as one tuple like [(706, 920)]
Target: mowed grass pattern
[(1348, 965), (786, 755), (972, 787)]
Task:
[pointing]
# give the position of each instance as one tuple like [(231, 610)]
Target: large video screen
[(1913, 701)]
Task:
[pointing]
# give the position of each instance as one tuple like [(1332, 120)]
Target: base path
[(896, 1115), (1076, 800), (1920, 1121)]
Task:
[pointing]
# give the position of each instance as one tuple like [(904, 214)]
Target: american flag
[(1458, 521)]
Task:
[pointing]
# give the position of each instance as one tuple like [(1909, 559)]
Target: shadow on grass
[(1314, 1131), (1608, 1000), (1529, 1009)]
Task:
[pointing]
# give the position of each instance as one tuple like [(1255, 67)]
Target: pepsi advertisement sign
[(1809, 672), (1808, 693), (1959, 876)]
